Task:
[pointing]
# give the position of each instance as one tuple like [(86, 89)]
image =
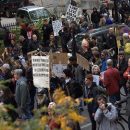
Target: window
[(40, 13), (23, 15)]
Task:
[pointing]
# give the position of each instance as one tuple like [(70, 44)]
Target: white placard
[(96, 79), (102, 74), (72, 12), (57, 69), (41, 76), (57, 26)]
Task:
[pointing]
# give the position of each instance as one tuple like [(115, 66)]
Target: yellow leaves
[(43, 120), (59, 96), (88, 100), (76, 117)]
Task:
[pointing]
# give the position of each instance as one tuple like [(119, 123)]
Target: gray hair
[(18, 72), (109, 62)]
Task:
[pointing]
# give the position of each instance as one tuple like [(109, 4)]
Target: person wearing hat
[(22, 95)]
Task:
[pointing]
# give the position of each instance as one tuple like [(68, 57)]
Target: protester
[(47, 30), (34, 44), (106, 114), (70, 86), (90, 92), (22, 95), (122, 66), (24, 44), (76, 70), (85, 50), (95, 18), (111, 82), (104, 57)]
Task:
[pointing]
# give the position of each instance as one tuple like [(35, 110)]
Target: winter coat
[(111, 80), (95, 17), (91, 93), (107, 118), (34, 45), (22, 95)]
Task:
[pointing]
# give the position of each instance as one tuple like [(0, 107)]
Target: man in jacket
[(47, 30), (76, 70), (90, 92), (106, 114), (111, 82), (22, 95), (34, 45), (95, 18), (24, 44)]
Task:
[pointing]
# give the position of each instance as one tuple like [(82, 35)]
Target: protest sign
[(96, 79), (83, 62), (57, 26), (57, 69), (41, 68), (60, 58), (72, 12), (102, 74)]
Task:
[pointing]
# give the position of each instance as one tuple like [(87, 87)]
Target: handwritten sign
[(57, 26), (41, 75)]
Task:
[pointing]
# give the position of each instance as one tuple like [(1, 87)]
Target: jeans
[(115, 97), (92, 119), (129, 122)]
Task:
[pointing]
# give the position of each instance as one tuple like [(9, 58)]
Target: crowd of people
[(113, 69)]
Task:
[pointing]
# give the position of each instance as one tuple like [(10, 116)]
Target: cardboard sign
[(57, 69), (57, 26), (60, 58), (41, 68), (72, 12), (83, 62)]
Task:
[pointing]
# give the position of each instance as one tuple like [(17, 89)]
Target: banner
[(41, 75), (57, 26), (72, 12)]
